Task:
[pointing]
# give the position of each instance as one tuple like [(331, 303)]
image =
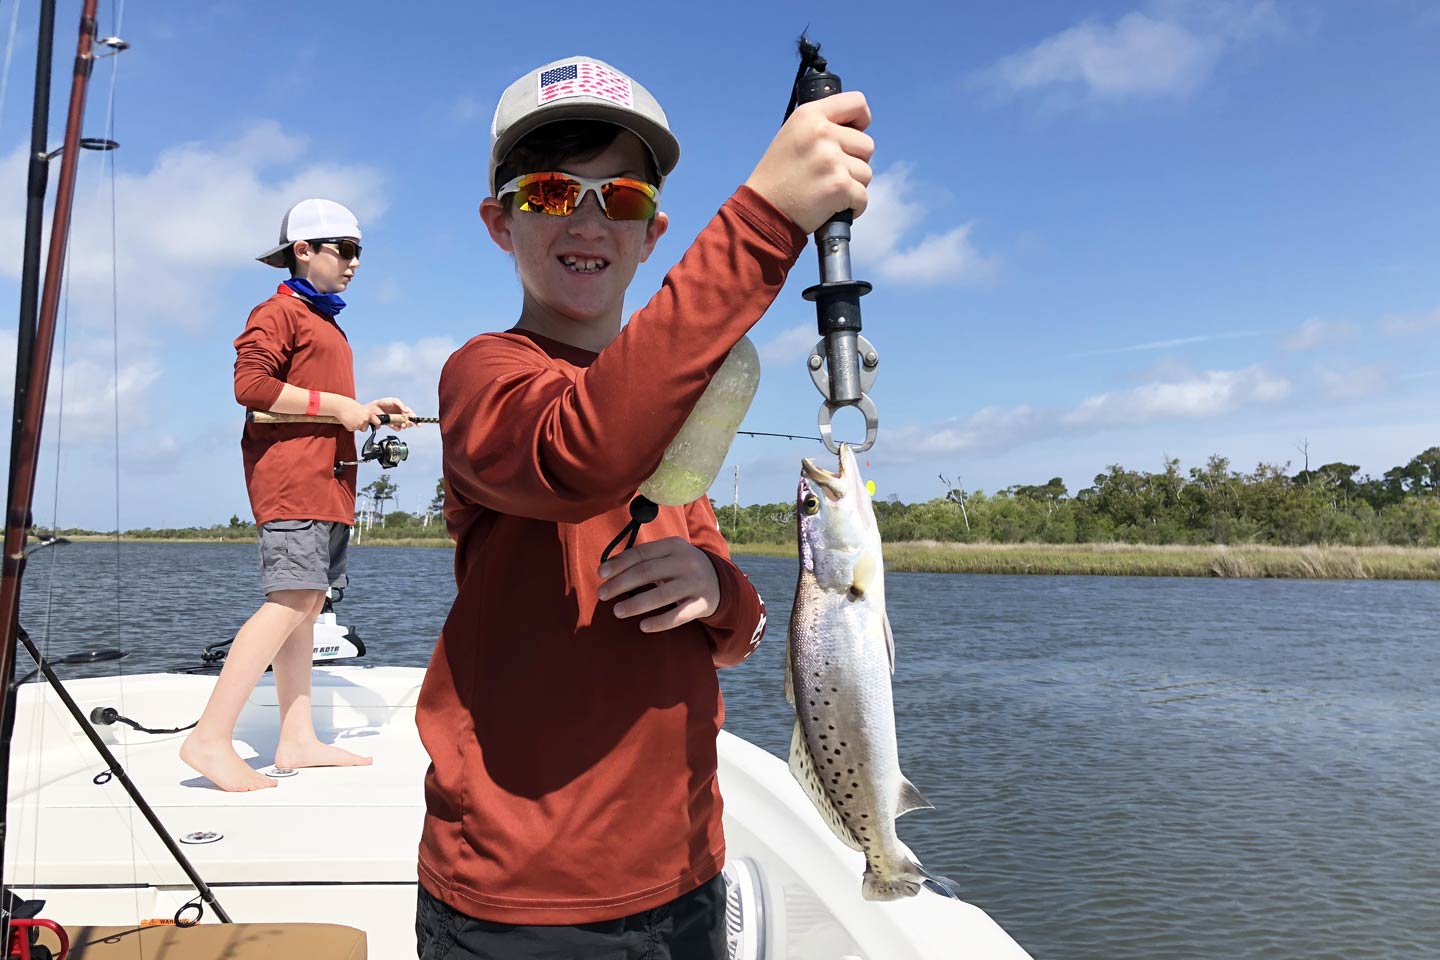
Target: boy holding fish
[(571, 712)]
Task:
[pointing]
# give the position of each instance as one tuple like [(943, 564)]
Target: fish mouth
[(832, 483)]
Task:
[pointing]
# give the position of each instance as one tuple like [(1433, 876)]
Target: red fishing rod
[(35, 342), (32, 366)]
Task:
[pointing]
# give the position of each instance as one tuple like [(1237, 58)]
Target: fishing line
[(110, 123), (9, 53), (53, 573)]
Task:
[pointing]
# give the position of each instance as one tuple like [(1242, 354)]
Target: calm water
[(1122, 768)]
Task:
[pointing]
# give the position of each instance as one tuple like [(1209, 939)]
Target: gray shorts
[(303, 555)]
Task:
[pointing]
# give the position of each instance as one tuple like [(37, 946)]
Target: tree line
[(1329, 504)]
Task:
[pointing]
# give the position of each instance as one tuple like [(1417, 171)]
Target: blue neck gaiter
[(326, 304)]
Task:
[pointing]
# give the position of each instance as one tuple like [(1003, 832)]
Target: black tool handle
[(813, 86)]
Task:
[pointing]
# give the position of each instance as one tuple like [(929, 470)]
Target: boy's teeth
[(583, 264)]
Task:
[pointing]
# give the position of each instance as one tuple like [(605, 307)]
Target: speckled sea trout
[(837, 677)]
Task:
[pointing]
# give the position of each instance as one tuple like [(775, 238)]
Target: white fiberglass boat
[(339, 845)]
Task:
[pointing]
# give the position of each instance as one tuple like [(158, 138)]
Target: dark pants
[(690, 927)]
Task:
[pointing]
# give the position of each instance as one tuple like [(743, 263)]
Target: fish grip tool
[(843, 364)]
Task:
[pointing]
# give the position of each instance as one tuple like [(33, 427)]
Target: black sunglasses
[(349, 249)]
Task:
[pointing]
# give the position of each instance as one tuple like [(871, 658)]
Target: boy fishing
[(293, 358), (571, 709)]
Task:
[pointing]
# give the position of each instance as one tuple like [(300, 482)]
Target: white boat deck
[(338, 845)]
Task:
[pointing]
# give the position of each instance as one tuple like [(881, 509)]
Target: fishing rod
[(35, 343), (264, 416), (843, 364), (388, 452)]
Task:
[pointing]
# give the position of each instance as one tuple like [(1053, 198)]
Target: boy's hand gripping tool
[(843, 364)]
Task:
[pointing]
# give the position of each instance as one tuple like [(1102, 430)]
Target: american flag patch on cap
[(581, 79)]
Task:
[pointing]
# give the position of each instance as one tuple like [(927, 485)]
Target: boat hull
[(339, 845)]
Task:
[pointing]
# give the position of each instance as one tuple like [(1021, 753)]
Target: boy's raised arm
[(521, 437)]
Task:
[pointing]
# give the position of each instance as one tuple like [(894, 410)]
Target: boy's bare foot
[(317, 754), (222, 766)]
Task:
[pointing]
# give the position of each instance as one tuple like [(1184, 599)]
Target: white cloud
[(201, 211), (938, 258), (1167, 52), (82, 394), (989, 428), (1167, 344), (1354, 383), (789, 346), (410, 371), (1209, 394), (1314, 332), (467, 109), (1406, 326)]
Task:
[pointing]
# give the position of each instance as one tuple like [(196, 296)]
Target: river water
[(1121, 767)]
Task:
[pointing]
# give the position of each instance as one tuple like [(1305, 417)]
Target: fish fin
[(910, 799), (802, 768), (862, 575), (942, 886), (890, 643), (898, 886), (802, 615)]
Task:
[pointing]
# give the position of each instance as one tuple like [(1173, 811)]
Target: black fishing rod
[(35, 343), (113, 768), (35, 340), (843, 364)]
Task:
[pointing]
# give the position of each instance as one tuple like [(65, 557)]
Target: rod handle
[(391, 419)]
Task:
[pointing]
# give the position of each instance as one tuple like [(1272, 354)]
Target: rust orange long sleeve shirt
[(290, 467), (573, 773)]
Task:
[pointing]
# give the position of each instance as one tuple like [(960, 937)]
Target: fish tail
[(894, 884)]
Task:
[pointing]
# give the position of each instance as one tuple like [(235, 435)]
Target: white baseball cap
[(311, 220), (579, 88)]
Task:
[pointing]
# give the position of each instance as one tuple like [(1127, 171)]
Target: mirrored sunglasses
[(349, 249), (558, 194)]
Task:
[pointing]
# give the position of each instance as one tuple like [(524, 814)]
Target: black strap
[(809, 57), (642, 511)]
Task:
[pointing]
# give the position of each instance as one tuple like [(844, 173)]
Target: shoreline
[(1083, 559), (1142, 560)]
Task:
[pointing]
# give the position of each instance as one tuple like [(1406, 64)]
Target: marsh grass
[(1088, 559), (1138, 560)]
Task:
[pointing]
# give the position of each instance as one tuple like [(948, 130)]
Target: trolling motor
[(387, 452), (843, 364)]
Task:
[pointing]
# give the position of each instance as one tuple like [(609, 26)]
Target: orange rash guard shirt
[(573, 758), (290, 467)]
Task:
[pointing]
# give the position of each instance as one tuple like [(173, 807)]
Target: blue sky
[(1099, 232)]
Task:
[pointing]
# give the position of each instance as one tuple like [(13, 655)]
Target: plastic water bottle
[(694, 457)]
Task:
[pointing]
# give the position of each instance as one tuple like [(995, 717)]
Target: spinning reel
[(387, 452)]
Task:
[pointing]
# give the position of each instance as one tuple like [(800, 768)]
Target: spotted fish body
[(841, 657)]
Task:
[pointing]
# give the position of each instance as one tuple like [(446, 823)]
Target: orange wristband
[(313, 407)]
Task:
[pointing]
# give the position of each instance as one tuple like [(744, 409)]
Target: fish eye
[(811, 505)]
